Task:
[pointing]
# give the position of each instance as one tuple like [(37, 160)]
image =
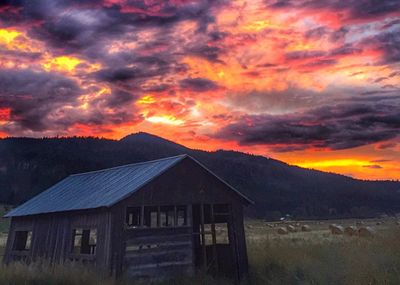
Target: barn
[(153, 219)]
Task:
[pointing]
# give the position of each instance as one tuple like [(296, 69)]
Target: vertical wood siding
[(52, 237)]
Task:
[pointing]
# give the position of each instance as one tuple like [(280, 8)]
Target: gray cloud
[(42, 102), (356, 9), (198, 84), (34, 97), (335, 126)]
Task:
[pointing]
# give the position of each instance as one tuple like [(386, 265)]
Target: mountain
[(29, 166)]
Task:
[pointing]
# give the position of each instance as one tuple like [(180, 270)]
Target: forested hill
[(29, 166)]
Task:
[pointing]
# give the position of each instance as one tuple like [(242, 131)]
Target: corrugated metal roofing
[(102, 188)]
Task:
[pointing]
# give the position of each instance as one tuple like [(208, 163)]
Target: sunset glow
[(313, 83)]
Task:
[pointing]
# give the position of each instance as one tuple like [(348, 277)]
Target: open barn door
[(214, 240)]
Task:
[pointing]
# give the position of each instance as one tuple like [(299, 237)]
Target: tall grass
[(75, 274), (339, 260), (347, 261)]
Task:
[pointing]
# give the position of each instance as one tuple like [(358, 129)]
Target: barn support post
[(158, 217), (240, 243), (214, 239), (175, 216), (203, 237), (141, 216), (233, 243)]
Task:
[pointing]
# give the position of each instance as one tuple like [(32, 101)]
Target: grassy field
[(315, 257), (318, 257)]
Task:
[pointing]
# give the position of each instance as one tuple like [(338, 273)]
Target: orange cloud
[(252, 58)]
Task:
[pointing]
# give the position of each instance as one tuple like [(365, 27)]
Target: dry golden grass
[(74, 274), (315, 257), (320, 258)]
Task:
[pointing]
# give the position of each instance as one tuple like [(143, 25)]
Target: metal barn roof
[(102, 188)]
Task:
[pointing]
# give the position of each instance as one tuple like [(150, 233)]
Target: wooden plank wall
[(158, 253), (52, 237), (185, 184)]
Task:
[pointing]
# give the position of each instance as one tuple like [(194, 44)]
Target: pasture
[(311, 256)]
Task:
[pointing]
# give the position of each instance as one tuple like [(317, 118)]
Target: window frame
[(138, 215), (73, 235), (28, 238), (146, 216)]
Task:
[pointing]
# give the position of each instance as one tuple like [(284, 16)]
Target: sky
[(315, 83)]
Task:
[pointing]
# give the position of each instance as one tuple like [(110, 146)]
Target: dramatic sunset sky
[(314, 83)]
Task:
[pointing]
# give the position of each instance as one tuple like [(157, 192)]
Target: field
[(314, 257)]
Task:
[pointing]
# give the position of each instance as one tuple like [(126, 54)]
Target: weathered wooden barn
[(152, 219)]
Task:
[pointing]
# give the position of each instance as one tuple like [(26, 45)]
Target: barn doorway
[(213, 239)]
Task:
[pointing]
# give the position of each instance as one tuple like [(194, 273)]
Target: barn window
[(151, 216), (222, 237), (23, 240), (181, 216), (167, 216), (156, 216), (84, 241), (133, 216)]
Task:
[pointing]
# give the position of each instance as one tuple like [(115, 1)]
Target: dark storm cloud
[(41, 101), (119, 98), (140, 71), (316, 33), (346, 49), (88, 30), (388, 43), (211, 53), (339, 35), (119, 106), (356, 9), (340, 126), (198, 84), (115, 75), (34, 96), (73, 26), (320, 32)]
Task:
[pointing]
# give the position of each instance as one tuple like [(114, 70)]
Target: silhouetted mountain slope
[(29, 166)]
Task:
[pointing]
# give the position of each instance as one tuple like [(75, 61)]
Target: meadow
[(315, 257)]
